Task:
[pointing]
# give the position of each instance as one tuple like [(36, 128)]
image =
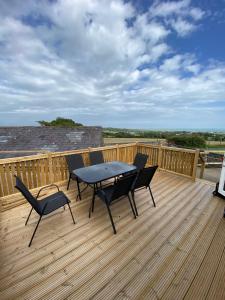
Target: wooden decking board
[(105, 242), (174, 263), (68, 233), (84, 217), (217, 288), (151, 259), (201, 283), (122, 260), (144, 260), (143, 263), (66, 249), (184, 277), (110, 234)]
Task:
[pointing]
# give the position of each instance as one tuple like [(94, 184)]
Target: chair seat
[(54, 201), (106, 193)]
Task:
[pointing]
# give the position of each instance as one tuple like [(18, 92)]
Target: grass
[(110, 141), (215, 146)]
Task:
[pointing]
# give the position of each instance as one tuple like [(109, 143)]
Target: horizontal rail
[(177, 160)]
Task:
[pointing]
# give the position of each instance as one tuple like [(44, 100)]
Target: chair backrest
[(74, 161), (140, 161), (144, 177), (122, 187), (96, 157), (27, 194)]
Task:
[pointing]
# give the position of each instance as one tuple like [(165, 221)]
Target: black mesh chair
[(75, 161), (139, 162), (110, 193), (143, 180), (96, 157), (44, 206)]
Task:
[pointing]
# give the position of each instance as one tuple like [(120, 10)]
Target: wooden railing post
[(51, 174), (135, 148), (203, 160), (195, 164), (89, 150), (117, 152), (160, 156)]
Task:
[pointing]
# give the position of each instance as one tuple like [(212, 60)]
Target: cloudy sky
[(135, 64)]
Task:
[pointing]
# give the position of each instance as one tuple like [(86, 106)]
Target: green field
[(110, 141), (212, 146)]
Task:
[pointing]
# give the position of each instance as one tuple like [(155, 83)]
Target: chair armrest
[(45, 187)]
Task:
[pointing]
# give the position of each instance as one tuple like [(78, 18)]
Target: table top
[(104, 171)]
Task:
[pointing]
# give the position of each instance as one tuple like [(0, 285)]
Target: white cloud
[(168, 8), (157, 51), (179, 14), (150, 31), (101, 62), (196, 13), (182, 27)]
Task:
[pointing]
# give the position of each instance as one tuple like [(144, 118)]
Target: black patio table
[(95, 174)]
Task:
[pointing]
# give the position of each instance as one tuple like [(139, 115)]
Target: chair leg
[(152, 196), (135, 206), (128, 196), (91, 208), (82, 191), (111, 219), (71, 213), (28, 216), (93, 203), (78, 188), (68, 184), (35, 231)]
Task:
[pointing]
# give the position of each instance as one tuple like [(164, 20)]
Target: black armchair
[(110, 193), (75, 161), (96, 157), (44, 206)]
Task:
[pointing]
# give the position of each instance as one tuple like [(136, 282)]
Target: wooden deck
[(173, 251)]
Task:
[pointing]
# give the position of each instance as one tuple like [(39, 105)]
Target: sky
[(113, 63)]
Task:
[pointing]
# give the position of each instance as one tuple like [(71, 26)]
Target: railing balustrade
[(42, 169)]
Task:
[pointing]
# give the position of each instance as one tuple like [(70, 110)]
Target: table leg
[(91, 208)]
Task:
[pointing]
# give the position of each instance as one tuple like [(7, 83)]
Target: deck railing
[(42, 169)]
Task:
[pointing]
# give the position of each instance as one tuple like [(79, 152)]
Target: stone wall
[(47, 138)]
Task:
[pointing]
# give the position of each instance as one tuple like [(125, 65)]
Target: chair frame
[(77, 180), (144, 186), (100, 156), (140, 158), (91, 209), (41, 214)]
